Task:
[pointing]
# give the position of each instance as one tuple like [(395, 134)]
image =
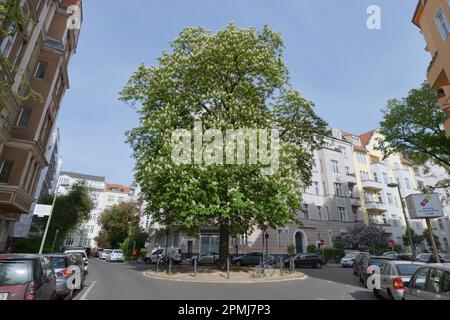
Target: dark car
[(62, 263), (368, 261), (357, 263), (26, 277), (307, 260), (431, 282), (251, 259), (429, 258)]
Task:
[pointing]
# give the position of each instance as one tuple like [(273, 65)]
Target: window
[(397, 202), (364, 175), (395, 223), (324, 188), (7, 42), (434, 283), (305, 211), (361, 158), (342, 214), (94, 217), (375, 176), (91, 229), (390, 199), (380, 198), (420, 279), (40, 70), (442, 23), (121, 199), (282, 237), (335, 166), (316, 187), (319, 213), (110, 198), (385, 178), (327, 213), (321, 165), (24, 117), (5, 171), (176, 240), (347, 170), (338, 189), (441, 225), (243, 240), (446, 244), (408, 185)]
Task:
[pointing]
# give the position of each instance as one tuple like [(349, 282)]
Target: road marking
[(83, 297)]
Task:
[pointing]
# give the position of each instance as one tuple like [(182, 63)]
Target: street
[(117, 281)]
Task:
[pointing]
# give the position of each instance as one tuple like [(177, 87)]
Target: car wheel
[(390, 296), (318, 265), (239, 263)]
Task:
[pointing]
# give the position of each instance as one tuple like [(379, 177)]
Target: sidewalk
[(213, 275)]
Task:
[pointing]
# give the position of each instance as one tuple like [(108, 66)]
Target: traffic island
[(214, 275)]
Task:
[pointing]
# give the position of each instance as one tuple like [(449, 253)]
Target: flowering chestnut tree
[(232, 79)]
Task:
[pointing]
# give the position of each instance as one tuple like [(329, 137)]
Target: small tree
[(427, 237), (413, 126), (363, 236), (416, 238)]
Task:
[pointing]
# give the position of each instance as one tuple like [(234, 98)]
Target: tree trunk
[(224, 229)]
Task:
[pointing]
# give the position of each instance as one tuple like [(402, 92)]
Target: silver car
[(431, 282), (395, 275), (209, 258)]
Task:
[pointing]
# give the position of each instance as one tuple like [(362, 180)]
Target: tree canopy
[(232, 79), (116, 223), (413, 126), (364, 236)]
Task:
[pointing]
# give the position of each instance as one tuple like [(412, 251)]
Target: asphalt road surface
[(126, 281)]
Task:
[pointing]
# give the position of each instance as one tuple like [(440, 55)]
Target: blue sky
[(347, 70)]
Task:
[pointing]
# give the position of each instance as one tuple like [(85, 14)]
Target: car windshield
[(13, 273), (407, 269), (350, 255), (117, 251), (376, 261), (446, 256), (58, 262)]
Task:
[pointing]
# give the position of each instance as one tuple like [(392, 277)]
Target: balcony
[(355, 201), (54, 44), (375, 208), (372, 185), (14, 200)]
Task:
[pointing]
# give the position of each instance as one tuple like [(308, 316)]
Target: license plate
[(3, 296)]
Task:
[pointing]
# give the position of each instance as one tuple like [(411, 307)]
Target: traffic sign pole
[(433, 242)]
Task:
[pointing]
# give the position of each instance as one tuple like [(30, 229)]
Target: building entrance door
[(299, 242), (209, 243)]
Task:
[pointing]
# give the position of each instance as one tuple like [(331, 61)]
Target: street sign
[(424, 206), (263, 228), (41, 210), (322, 243), (391, 243)]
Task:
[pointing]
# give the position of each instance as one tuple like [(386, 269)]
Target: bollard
[(281, 266), (228, 268), (195, 267), (157, 265), (170, 265)]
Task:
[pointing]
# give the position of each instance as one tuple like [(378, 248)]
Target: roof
[(82, 176), (117, 187), (416, 12), (365, 137)]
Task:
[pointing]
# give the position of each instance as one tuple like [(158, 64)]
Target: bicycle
[(263, 270)]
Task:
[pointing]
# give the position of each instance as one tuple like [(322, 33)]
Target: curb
[(301, 278)]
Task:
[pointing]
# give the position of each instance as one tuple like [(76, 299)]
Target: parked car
[(445, 257), (61, 262), (83, 255), (175, 254), (366, 262), (116, 256), (98, 253), (429, 258), (209, 258), (26, 277), (307, 260), (431, 282), (395, 275), (251, 259), (357, 263), (348, 260), (105, 253)]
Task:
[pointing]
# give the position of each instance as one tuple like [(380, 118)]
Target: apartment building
[(331, 207), (39, 53), (104, 196), (381, 205), (428, 176), (433, 19), (46, 185)]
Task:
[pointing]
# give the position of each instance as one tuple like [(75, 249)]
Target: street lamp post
[(41, 249), (408, 227)]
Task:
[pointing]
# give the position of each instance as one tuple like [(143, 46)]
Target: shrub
[(292, 251), (30, 245), (311, 248)]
